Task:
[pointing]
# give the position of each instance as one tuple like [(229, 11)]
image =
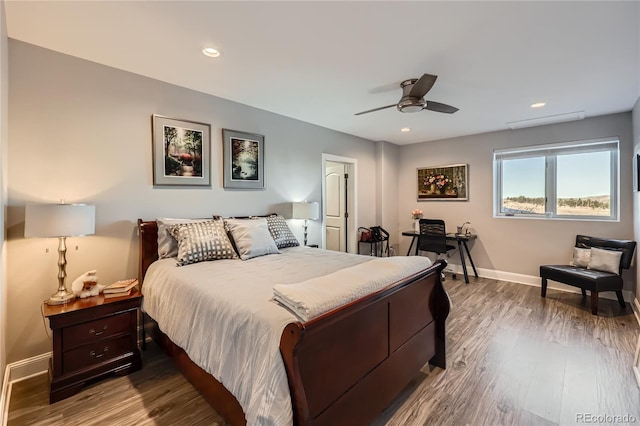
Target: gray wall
[(4, 97), (80, 131), (387, 183), (515, 245), (636, 195)]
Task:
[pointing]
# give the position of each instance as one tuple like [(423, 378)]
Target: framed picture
[(181, 152), (243, 160), (637, 188), (443, 183)]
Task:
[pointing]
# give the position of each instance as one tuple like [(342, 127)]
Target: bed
[(341, 367)]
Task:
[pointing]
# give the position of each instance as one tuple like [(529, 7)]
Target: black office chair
[(433, 237)]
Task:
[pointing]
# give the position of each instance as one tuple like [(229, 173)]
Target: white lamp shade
[(305, 210), (59, 220)]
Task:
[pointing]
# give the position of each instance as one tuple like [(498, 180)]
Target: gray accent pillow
[(281, 232), (202, 241), (605, 260), (167, 245), (581, 257), (251, 237)]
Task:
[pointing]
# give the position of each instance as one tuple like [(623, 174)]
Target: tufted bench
[(590, 279)]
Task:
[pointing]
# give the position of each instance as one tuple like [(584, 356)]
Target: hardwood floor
[(513, 358)]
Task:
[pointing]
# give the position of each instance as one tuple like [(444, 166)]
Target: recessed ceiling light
[(211, 52), (405, 129), (538, 105)]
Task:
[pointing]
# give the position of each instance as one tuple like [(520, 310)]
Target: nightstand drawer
[(92, 331), (95, 353)]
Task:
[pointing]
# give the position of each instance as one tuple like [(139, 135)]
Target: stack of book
[(120, 288)]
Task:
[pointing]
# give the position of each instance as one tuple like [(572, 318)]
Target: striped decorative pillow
[(281, 232), (167, 245), (202, 241)]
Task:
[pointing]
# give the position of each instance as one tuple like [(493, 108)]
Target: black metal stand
[(374, 248)]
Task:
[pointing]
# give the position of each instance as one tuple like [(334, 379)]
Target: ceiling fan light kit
[(412, 100), (411, 105)]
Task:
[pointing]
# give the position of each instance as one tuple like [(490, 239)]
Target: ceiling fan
[(412, 100)]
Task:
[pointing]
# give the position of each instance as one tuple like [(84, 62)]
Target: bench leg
[(544, 287), (594, 303), (584, 292), (621, 299)]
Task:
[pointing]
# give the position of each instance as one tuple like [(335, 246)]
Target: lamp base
[(61, 297)]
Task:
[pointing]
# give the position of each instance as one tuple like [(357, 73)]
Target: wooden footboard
[(347, 365)]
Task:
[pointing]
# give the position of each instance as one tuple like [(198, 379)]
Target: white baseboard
[(23, 369), (533, 281), (636, 310), (636, 360), (16, 372), (4, 398)]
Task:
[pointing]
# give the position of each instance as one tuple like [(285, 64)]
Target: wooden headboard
[(148, 242)]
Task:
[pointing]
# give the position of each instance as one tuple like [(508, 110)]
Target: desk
[(461, 239)]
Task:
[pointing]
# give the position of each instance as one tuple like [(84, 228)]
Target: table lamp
[(305, 210), (59, 221)]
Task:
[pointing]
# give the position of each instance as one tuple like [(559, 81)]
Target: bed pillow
[(167, 245), (581, 257), (202, 241), (605, 260), (251, 237), (281, 232)]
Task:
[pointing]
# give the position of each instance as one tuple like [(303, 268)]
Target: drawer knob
[(97, 333), (95, 355)]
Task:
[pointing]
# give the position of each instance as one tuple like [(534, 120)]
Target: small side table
[(92, 338)]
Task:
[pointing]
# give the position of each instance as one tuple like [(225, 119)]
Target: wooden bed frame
[(347, 365)]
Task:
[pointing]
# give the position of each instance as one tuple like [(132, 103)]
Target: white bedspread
[(311, 298), (222, 313)]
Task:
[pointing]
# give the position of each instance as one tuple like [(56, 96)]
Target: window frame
[(550, 152)]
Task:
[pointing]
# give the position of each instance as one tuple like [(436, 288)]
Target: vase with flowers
[(416, 215)]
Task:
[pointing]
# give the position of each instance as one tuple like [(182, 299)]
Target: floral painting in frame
[(443, 183), (180, 152)]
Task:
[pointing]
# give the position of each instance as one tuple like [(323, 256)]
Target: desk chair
[(433, 237)]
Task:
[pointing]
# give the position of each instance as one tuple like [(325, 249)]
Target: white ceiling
[(321, 62)]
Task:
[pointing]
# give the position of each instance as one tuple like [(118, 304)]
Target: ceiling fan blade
[(423, 85), (438, 107), (385, 88), (375, 109)]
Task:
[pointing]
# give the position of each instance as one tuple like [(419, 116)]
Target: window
[(576, 180)]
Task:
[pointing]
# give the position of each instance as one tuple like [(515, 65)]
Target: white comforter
[(223, 315)]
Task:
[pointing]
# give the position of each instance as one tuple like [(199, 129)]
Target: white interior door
[(336, 206)]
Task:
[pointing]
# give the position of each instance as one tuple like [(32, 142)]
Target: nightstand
[(92, 338)]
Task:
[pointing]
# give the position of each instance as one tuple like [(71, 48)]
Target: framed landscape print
[(443, 183), (243, 160), (637, 188), (181, 152)]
